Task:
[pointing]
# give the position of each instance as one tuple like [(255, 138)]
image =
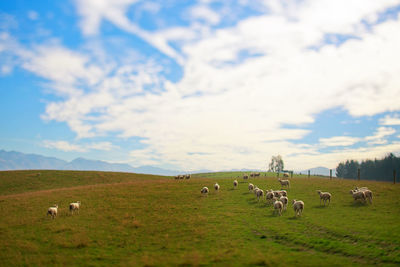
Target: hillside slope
[(152, 220)]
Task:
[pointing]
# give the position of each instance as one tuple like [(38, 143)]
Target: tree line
[(378, 169)]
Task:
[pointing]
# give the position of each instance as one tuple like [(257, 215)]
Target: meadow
[(144, 220)]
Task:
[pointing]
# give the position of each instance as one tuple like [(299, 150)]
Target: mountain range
[(12, 160), (319, 171)]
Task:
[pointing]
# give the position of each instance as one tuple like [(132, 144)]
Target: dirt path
[(35, 193)]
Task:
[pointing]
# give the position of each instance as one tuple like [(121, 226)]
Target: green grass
[(130, 219)]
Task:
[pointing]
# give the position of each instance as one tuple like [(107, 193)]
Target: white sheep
[(216, 186), (298, 207), (357, 195), (251, 186), (245, 176), (235, 184), (284, 182), (53, 211), (284, 201), (281, 193), (286, 175), (204, 190), (269, 196), (74, 207), (188, 176), (278, 206), (324, 196), (259, 194), (367, 192)]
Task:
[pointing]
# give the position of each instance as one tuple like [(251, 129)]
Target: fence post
[(394, 176), (291, 174), (308, 173), (330, 174), (358, 174)]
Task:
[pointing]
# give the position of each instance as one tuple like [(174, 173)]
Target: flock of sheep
[(183, 176), (73, 207), (279, 198)]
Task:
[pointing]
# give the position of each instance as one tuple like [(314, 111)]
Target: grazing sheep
[(74, 207), (176, 177), (357, 195), (204, 190), (284, 201), (298, 207), (257, 174), (286, 175), (281, 193), (235, 184), (259, 194), (324, 196), (269, 196), (255, 190), (216, 186), (251, 187), (284, 182), (188, 176), (278, 206), (361, 188), (181, 177), (367, 192), (53, 211), (245, 176)]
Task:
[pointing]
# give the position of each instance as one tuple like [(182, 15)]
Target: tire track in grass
[(47, 191)]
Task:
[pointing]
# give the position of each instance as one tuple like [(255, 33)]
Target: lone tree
[(276, 164)]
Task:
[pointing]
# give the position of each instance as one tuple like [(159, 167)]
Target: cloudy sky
[(206, 84)]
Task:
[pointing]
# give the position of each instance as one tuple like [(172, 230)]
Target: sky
[(193, 85)]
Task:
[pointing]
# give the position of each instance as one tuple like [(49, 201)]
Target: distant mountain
[(319, 171), (19, 161)]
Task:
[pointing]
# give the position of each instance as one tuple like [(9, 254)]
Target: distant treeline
[(378, 169)]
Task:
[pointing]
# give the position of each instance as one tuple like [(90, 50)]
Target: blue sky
[(206, 84)]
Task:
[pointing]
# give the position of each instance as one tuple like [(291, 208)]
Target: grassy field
[(132, 219)]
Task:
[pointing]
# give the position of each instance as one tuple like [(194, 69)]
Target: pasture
[(132, 219)]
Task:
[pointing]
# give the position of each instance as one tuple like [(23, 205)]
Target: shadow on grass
[(357, 204), (319, 206)]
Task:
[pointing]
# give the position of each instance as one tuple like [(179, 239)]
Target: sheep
[(284, 201), (74, 207), (298, 207), (367, 192), (278, 206), (324, 196), (176, 177), (286, 175), (204, 190), (284, 182), (216, 186), (257, 174), (281, 193), (188, 176), (269, 196), (52, 211), (358, 195), (251, 186), (235, 184), (245, 176), (259, 194), (361, 188), (181, 177)]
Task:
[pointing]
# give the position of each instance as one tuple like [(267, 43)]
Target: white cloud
[(338, 141), (379, 136), (390, 120), (241, 85), (33, 15), (205, 13), (63, 146), (68, 147)]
